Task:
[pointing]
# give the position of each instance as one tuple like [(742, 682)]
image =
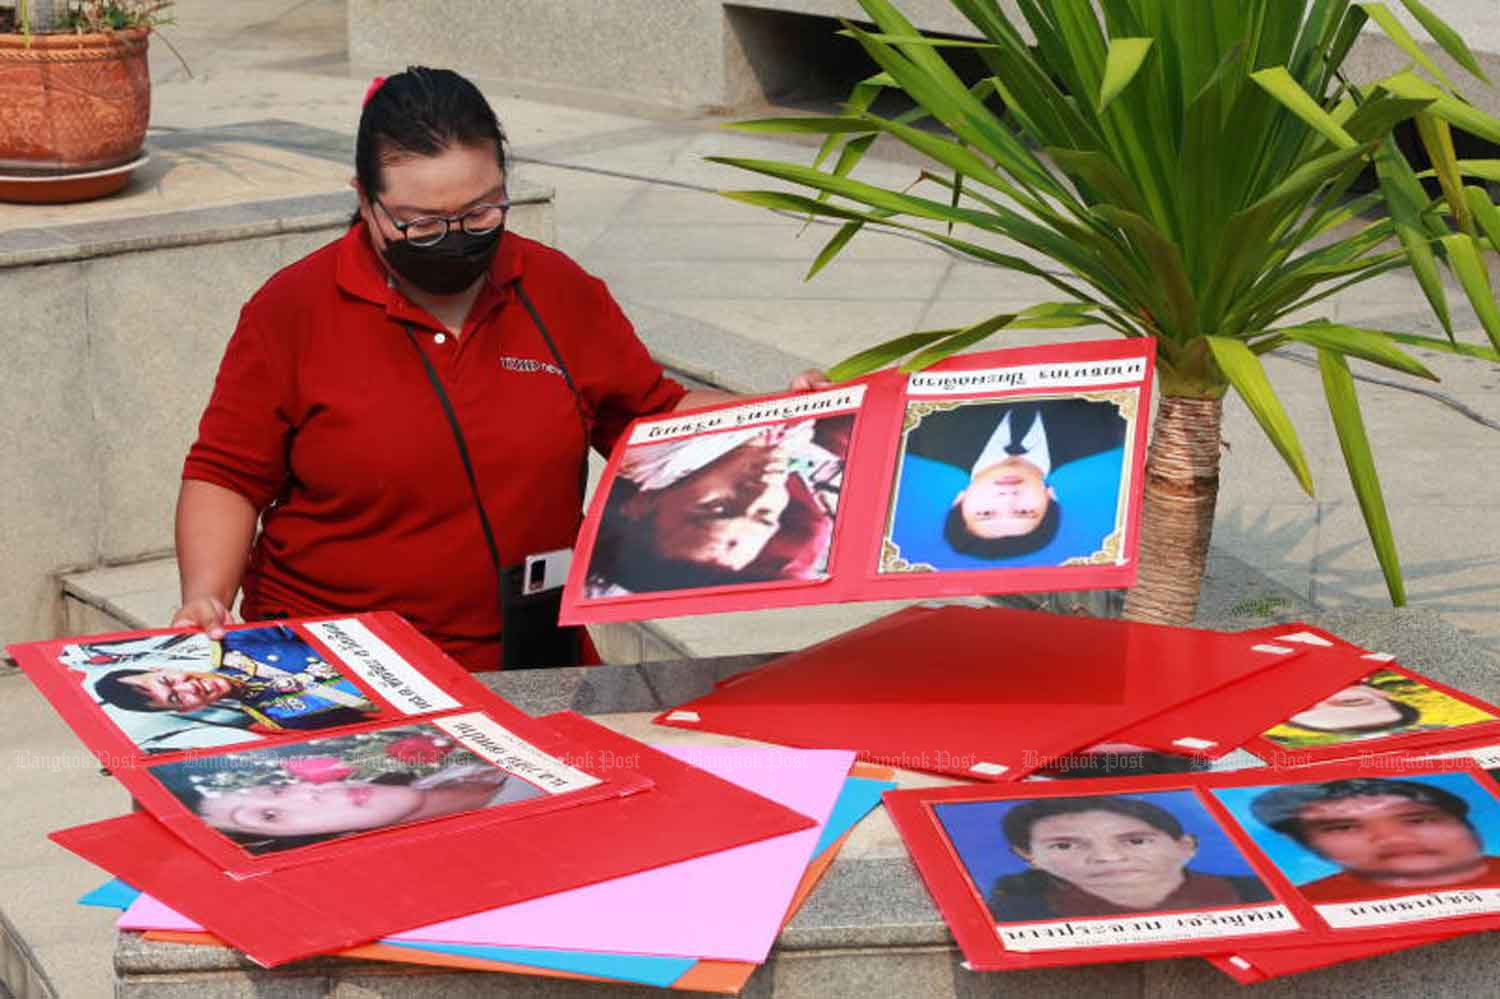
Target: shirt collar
[(362, 273)]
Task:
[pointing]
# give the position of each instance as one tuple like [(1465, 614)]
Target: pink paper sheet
[(728, 906)]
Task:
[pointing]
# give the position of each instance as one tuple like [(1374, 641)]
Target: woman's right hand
[(207, 613)]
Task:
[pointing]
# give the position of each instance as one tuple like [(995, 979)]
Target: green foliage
[(1186, 167), (47, 16)]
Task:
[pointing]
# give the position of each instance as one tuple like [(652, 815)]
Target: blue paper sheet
[(858, 799), (113, 894), (647, 970)]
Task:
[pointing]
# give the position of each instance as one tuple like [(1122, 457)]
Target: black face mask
[(446, 267)]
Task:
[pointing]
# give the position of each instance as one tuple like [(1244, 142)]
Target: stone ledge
[(870, 928), (21, 974), (198, 226)]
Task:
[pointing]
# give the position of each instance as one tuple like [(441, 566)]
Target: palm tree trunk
[(1177, 512)]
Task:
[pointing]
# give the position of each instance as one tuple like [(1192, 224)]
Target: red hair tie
[(375, 85)]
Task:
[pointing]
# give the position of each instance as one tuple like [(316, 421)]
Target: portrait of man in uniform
[(259, 681)]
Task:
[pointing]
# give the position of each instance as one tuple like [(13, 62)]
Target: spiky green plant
[(1187, 166)]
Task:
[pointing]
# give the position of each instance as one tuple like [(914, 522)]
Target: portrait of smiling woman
[(402, 417), (1385, 703)]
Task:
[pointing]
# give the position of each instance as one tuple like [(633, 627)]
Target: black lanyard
[(463, 447)]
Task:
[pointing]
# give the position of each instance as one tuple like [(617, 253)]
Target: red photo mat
[(1400, 742), (403, 674), (429, 704), (1290, 920), (337, 903), (971, 691), (497, 740), (886, 536), (1234, 715), (1254, 964)]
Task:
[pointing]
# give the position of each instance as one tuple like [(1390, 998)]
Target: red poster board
[(345, 732), (1255, 964), (984, 693), (1220, 881), (1236, 714), (1002, 471), (412, 881)]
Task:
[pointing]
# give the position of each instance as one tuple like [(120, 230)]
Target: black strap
[(583, 418), (463, 447)]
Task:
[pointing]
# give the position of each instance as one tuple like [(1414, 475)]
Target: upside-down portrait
[(740, 506)]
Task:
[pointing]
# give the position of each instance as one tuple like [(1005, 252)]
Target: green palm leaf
[(1343, 404), (1184, 168), (1245, 373)]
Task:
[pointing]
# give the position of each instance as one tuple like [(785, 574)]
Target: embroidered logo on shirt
[(528, 365)]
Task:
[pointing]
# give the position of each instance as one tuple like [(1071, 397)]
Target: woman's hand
[(811, 379), (207, 613), (214, 530)]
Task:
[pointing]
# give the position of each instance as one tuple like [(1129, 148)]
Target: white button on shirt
[(440, 338)]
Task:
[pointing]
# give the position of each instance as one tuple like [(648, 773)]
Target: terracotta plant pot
[(72, 103)]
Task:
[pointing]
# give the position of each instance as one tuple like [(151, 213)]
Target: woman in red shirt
[(410, 407)]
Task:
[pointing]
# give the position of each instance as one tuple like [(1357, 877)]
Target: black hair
[(422, 112), (1405, 715), (962, 540), (1018, 822), (110, 689), (1281, 807), (624, 552), (624, 556)]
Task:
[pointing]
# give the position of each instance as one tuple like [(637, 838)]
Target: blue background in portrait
[(1301, 865), (974, 828), (1088, 490)]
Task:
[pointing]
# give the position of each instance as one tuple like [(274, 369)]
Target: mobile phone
[(546, 570)]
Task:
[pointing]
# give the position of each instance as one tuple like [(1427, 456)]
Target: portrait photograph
[(1385, 703), (1014, 483), (282, 797), (1063, 858), (169, 693), (748, 505), (1359, 839)]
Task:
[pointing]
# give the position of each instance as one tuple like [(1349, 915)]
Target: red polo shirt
[(322, 415), (1346, 887)]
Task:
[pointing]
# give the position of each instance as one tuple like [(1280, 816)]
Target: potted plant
[(1187, 167), (76, 95)]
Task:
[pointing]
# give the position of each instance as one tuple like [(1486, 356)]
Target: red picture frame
[(418, 690), (1295, 922), (878, 511)]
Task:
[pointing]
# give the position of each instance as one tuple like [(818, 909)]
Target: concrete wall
[(678, 53), (708, 53), (113, 337)]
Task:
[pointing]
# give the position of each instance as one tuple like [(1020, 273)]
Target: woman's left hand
[(812, 378)]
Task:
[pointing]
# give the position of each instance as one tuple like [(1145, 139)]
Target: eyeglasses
[(481, 220)]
